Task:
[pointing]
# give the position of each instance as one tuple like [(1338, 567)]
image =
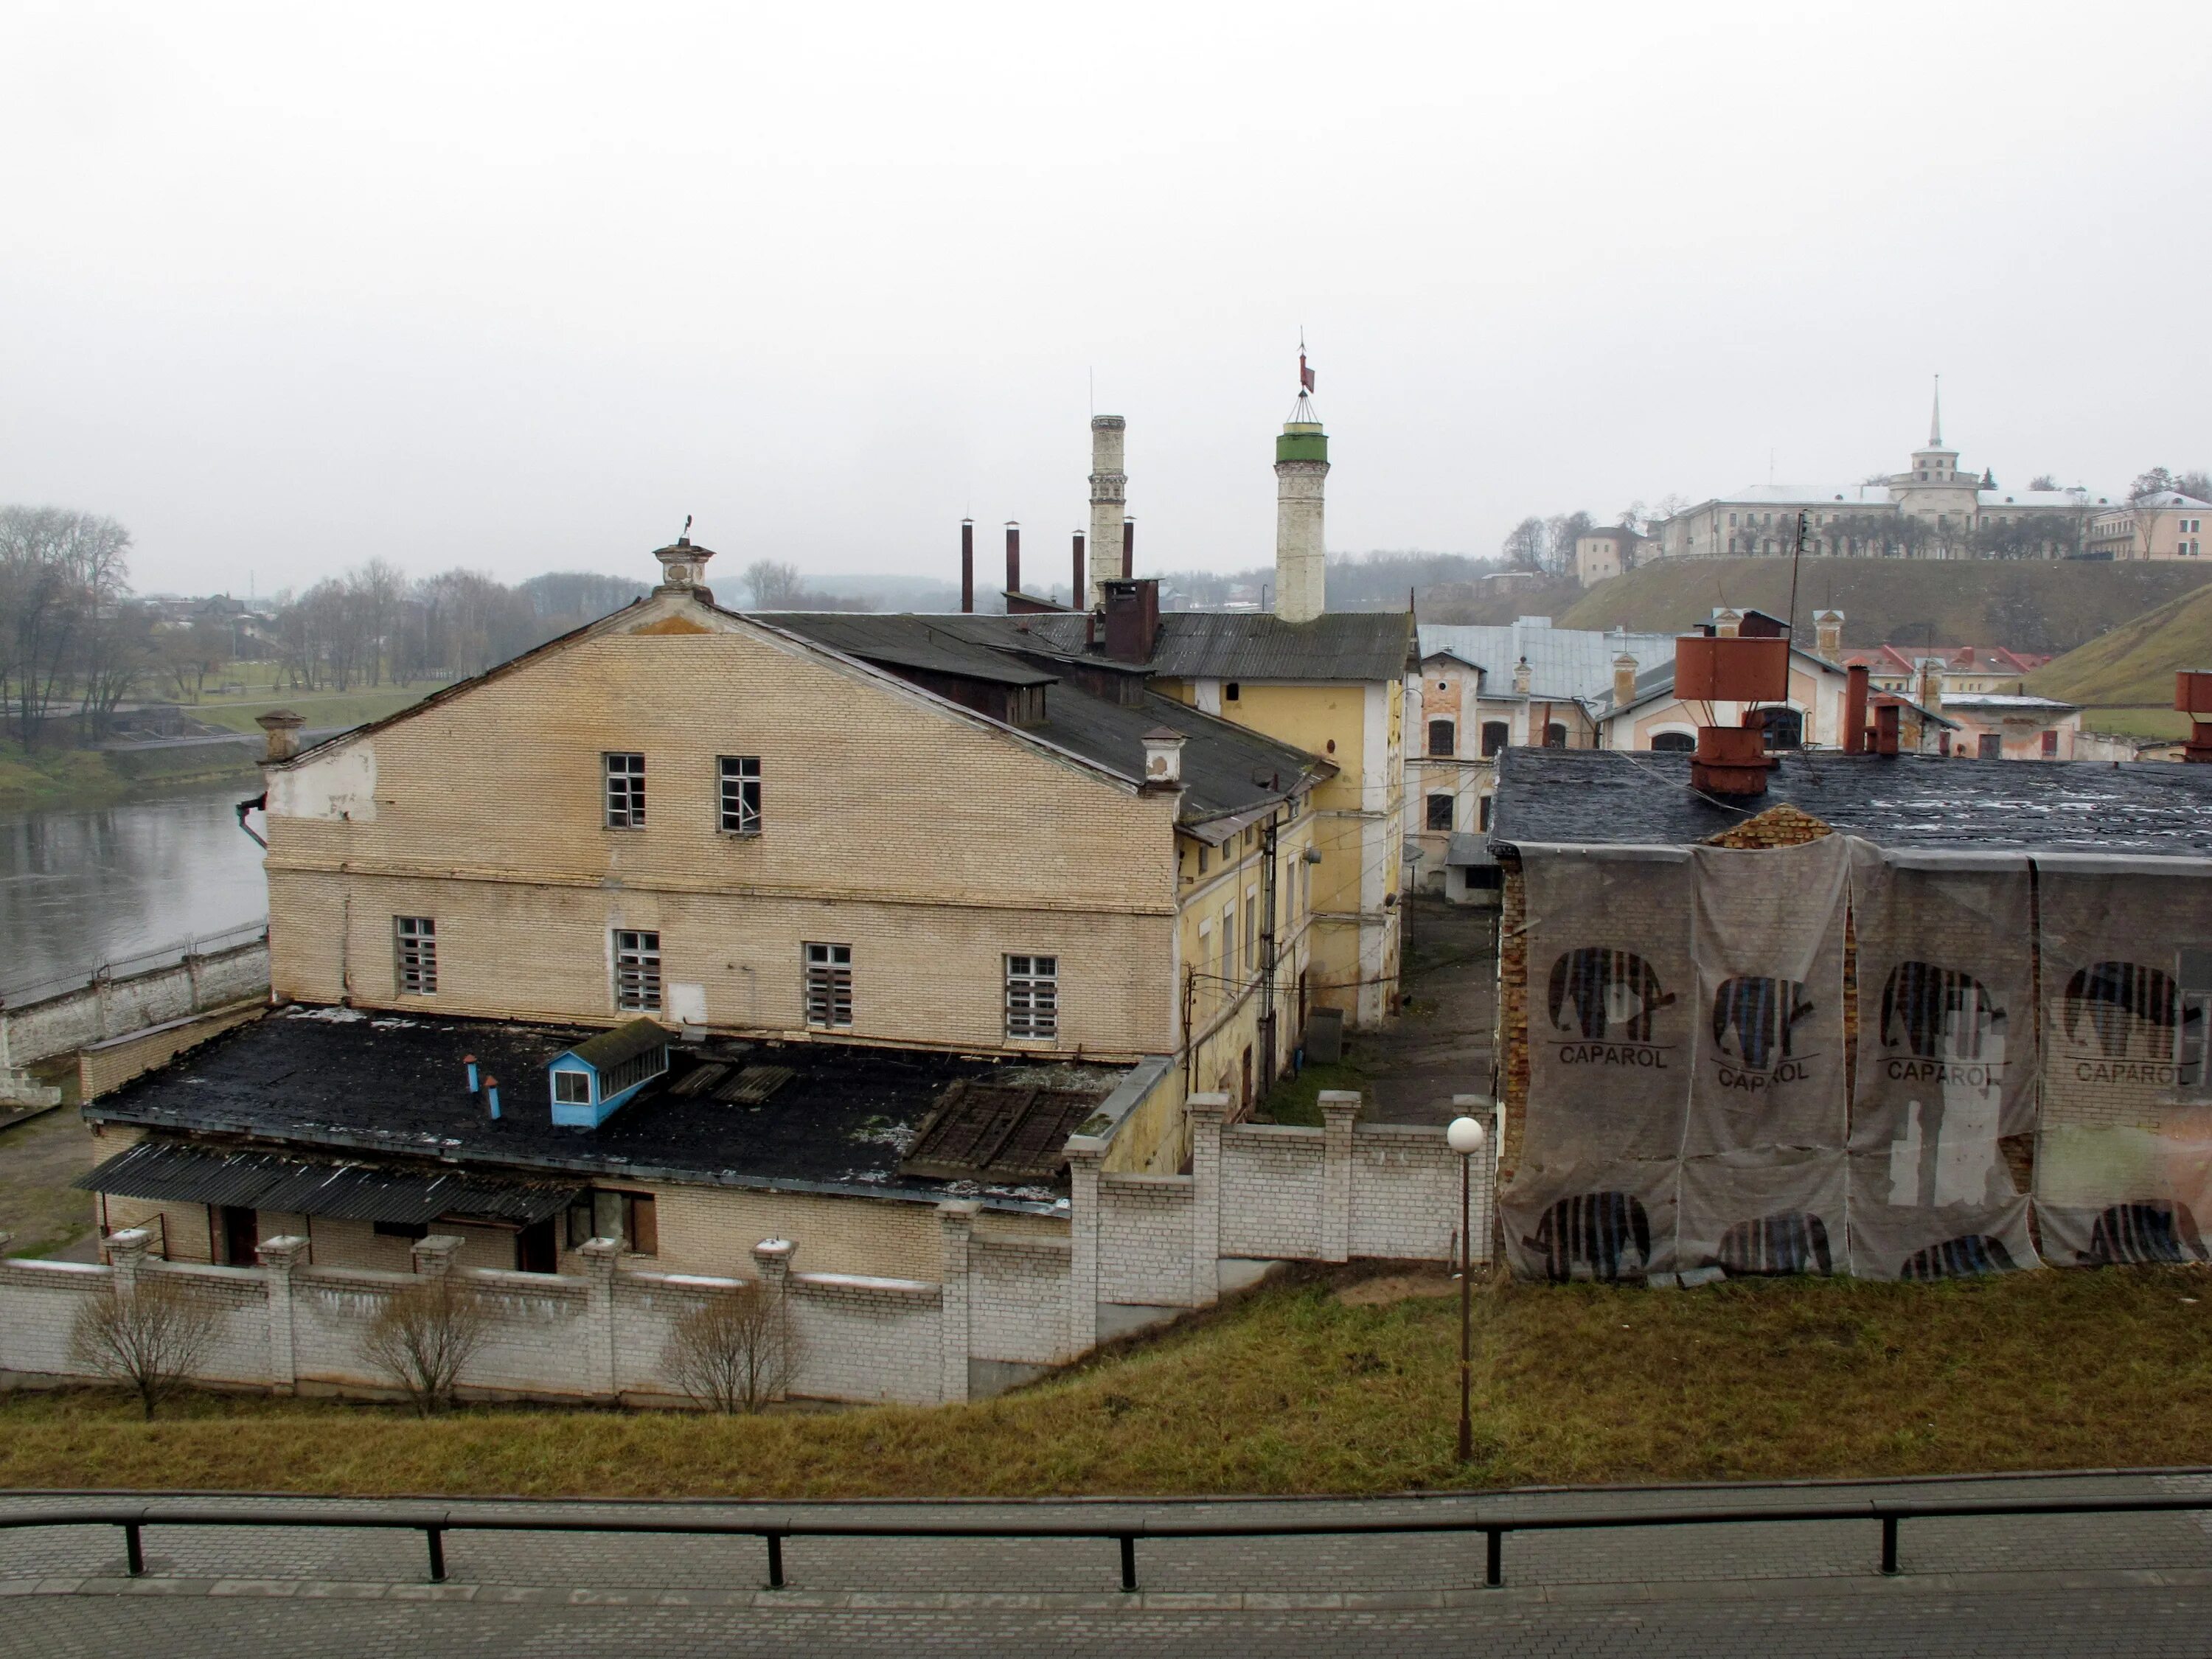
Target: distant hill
[(2133, 664), (1495, 602), (2038, 605)]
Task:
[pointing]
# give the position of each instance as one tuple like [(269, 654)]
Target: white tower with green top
[(1301, 466)]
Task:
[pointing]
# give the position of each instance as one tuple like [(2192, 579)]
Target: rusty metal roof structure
[(293, 1186), (982, 1132)]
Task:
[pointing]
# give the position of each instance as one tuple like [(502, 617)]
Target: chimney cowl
[(1163, 759), (283, 726)]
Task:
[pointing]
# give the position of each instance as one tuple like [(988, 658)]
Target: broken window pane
[(637, 970)]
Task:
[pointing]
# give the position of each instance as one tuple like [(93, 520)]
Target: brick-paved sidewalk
[(244, 1591)]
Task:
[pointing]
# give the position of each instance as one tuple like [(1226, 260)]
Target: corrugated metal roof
[(352, 1192), (1340, 646), (1563, 662)]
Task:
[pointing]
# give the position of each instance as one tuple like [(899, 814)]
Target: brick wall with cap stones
[(1008, 1289)]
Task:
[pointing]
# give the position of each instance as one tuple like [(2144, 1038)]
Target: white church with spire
[(1932, 509)]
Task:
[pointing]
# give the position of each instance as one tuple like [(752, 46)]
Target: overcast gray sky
[(517, 287)]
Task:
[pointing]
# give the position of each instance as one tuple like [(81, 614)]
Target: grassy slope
[(2037, 606), (1291, 1390), (322, 709), (2134, 664)]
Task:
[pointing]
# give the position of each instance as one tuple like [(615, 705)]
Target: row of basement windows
[(1444, 737), (1031, 982), (737, 794)]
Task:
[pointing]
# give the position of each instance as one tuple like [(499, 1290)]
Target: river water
[(81, 886)]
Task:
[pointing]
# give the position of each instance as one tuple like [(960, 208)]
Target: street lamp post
[(1465, 1137)]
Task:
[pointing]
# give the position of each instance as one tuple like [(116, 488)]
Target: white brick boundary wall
[(116, 1006), (1140, 1249)]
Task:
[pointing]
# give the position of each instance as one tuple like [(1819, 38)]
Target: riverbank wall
[(190, 979)]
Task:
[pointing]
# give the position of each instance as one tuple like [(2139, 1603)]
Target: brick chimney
[(283, 726), (1132, 618), (1624, 680), (967, 566), (1013, 555), (1109, 495), (1521, 677), (1828, 634), (1162, 760)]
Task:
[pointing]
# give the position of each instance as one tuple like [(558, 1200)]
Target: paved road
[(2136, 1585)]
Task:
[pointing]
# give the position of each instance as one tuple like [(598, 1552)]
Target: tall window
[(830, 986), (741, 794), (1442, 737), (1494, 734), (1482, 815), (1228, 944), (637, 970), (1032, 996), (1440, 812), (415, 942), (625, 792), (1252, 932)]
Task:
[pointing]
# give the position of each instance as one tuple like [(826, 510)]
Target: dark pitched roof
[(1601, 797), (611, 1047), (390, 1091), (183, 1173), (1341, 646), (1226, 768), (903, 640)]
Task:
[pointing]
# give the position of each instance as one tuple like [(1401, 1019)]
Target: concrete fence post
[(1086, 1155), (126, 1253), (601, 1257), (956, 1219), (1206, 1113), (101, 1001), (281, 1258), (1339, 1107), (772, 1260), (193, 963), (434, 1253)]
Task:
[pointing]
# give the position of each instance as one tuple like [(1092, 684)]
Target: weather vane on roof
[(686, 536)]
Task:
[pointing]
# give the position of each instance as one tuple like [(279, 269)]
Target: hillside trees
[(1523, 546)]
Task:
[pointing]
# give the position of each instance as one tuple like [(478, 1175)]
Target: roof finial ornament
[(1936, 417), (684, 540)]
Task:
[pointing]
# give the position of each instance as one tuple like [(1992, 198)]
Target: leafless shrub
[(151, 1336), (737, 1350), (424, 1337)]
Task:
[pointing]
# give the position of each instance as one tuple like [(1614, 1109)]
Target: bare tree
[(2152, 481), (150, 1336), (63, 579), (2043, 481), (1561, 531), (2196, 482), (1523, 550), (425, 1336), (775, 584), (737, 1350)]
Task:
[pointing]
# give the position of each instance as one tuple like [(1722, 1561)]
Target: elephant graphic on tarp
[(2157, 1231), (2115, 996), (1592, 1231), (1760, 1012), (1957, 1258), (1790, 1242), (1608, 989), (1940, 1014)]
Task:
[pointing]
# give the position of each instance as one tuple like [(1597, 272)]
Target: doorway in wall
[(242, 1236), (536, 1251)]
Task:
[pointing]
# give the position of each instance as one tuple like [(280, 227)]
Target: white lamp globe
[(1465, 1136)]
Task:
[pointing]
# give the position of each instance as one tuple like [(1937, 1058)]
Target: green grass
[(2134, 663), (2137, 722), (1292, 1390), (2028, 604), (52, 776), (321, 708), (1297, 1099)]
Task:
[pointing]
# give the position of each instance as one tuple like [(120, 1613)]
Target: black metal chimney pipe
[(1128, 549), (1013, 557), (967, 566), (1077, 595)]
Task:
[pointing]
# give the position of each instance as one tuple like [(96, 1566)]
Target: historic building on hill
[(1932, 509)]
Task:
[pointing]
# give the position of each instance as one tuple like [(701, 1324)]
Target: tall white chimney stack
[(1109, 494), (1301, 466)]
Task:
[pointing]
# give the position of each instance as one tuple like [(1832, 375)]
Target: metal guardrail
[(147, 961), (435, 1523)]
